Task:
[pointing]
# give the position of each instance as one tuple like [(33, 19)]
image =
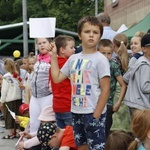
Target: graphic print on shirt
[(81, 86)]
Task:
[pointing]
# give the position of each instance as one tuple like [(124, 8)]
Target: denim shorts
[(88, 130), (63, 119)]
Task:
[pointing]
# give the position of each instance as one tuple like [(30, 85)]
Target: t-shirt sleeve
[(103, 67), (115, 69), (65, 69)]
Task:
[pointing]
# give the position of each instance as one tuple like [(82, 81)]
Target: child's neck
[(146, 143), (62, 55), (147, 57), (90, 51)]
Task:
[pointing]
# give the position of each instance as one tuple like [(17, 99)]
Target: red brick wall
[(128, 12)]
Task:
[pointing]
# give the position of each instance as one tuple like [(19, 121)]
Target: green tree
[(67, 12)]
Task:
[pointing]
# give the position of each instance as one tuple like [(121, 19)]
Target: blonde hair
[(10, 65), (34, 58), (140, 126), (121, 41), (139, 34)]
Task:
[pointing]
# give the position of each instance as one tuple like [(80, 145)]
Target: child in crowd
[(118, 140), (135, 45), (141, 130), (27, 93), (63, 139), (41, 95), (39, 140), (105, 46), (62, 90), (10, 95), (138, 92), (89, 73), (25, 66), (25, 63), (24, 119), (121, 119)]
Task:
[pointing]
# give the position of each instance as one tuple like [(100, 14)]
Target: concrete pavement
[(6, 144)]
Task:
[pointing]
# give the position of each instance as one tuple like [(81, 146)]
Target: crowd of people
[(95, 98)]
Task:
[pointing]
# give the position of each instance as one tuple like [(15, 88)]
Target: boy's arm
[(55, 71), (105, 90), (122, 92)]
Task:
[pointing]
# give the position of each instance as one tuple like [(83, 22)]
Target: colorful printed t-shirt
[(85, 72)]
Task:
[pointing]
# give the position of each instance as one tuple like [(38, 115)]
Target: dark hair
[(61, 41), (105, 43), (92, 20), (104, 18), (118, 140)]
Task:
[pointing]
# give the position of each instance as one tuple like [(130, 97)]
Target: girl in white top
[(10, 95)]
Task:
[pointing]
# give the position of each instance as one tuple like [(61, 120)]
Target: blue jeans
[(63, 119), (88, 130)]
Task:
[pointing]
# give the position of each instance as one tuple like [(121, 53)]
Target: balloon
[(16, 53)]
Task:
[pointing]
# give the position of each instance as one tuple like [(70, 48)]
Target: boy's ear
[(61, 50), (143, 49)]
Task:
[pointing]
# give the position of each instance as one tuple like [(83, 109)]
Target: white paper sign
[(11, 112), (42, 27)]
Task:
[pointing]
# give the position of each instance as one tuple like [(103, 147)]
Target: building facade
[(128, 12)]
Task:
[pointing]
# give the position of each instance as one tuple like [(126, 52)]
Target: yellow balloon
[(16, 54)]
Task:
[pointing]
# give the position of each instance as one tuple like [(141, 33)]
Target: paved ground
[(6, 144)]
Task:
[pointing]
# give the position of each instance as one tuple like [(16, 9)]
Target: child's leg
[(34, 114), (108, 119), (83, 147)]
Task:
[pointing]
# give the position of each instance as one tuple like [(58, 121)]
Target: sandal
[(8, 137)]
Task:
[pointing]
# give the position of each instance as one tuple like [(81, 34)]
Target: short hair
[(105, 43), (104, 18), (92, 20), (61, 41), (118, 140)]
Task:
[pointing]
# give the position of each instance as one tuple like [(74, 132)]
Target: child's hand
[(17, 120), (25, 134), (21, 146), (52, 49), (21, 86), (1, 105)]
